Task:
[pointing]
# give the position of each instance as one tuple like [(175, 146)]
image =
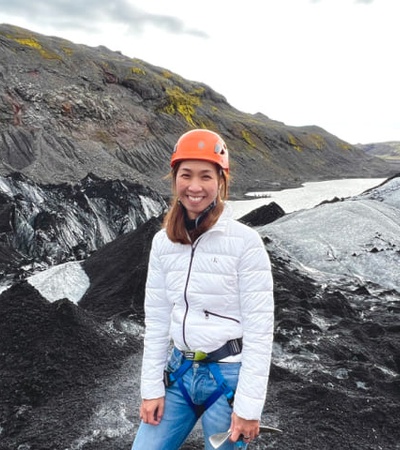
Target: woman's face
[(197, 185)]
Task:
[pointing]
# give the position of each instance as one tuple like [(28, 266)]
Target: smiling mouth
[(195, 199)]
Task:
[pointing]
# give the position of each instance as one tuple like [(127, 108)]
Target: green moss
[(345, 146), (29, 42), (183, 103), (208, 124), (316, 141), (293, 141), (167, 74), (67, 50), (33, 43), (247, 137), (138, 70)]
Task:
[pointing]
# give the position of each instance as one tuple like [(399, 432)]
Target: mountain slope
[(386, 150), (67, 109)]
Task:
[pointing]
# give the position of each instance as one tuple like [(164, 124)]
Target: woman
[(209, 289)]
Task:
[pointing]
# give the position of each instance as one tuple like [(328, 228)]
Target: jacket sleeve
[(157, 321), (257, 308)]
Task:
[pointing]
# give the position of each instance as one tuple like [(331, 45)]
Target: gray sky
[(331, 63)]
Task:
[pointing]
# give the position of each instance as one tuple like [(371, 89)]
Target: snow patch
[(67, 280)]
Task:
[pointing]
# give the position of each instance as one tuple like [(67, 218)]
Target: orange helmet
[(201, 144)]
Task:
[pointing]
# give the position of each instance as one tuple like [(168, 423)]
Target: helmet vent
[(219, 149)]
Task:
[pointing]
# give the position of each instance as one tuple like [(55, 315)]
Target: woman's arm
[(257, 309), (157, 322)]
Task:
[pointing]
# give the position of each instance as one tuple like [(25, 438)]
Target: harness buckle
[(196, 355), (167, 379)]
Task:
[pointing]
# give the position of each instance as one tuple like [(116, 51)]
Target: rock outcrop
[(44, 225)]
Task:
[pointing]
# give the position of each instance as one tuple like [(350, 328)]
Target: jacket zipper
[(209, 313), (194, 246)]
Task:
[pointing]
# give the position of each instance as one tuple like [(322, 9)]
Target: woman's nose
[(195, 186)]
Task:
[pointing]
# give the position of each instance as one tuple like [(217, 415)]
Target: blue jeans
[(179, 417)]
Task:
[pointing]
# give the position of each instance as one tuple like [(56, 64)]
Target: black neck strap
[(192, 224)]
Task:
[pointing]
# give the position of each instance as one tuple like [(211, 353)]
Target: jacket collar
[(223, 219)]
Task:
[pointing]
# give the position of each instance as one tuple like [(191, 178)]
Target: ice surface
[(67, 280), (358, 237)]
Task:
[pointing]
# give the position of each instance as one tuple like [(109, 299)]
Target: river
[(305, 197)]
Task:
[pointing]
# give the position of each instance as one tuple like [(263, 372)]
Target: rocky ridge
[(45, 225), (67, 110), (388, 151)]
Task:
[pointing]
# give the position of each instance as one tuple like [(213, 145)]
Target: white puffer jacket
[(203, 295)]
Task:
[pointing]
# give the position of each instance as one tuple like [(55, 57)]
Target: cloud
[(366, 2), (88, 15)]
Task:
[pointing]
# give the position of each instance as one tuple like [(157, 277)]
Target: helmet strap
[(193, 224)]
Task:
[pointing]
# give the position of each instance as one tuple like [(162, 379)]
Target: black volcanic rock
[(64, 369), (54, 338), (67, 110), (333, 379), (118, 272), (263, 215), (43, 225), (69, 374), (50, 352)]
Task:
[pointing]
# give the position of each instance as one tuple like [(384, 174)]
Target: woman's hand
[(247, 429), (151, 411)]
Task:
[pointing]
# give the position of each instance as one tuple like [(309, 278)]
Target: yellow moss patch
[(314, 140), (33, 43), (294, 142), (67, 50), (345, 146), (138, 70), (208, 125), (183, 103), (29, 42), (167, 74), (247, 137)]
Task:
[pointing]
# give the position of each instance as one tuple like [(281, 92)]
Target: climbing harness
[(232, 347)]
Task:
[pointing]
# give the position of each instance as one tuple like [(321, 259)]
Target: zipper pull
[(206, 314)]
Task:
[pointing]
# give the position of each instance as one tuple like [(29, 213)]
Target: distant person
[(209, 289)]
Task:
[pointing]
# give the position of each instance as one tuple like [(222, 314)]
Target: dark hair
[(174, 220)]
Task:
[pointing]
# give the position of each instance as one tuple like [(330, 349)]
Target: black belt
[(230, 348)]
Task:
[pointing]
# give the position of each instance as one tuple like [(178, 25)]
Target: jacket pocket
[(210, 313)]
